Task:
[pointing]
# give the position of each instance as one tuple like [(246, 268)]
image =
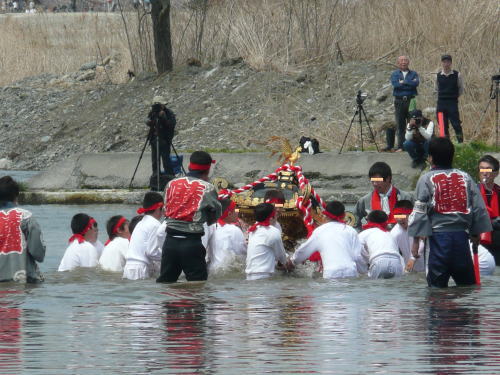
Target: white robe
[(404, 242), (487, 263), (339, 247), (114, 255), (79, 255), (379, 247), (99, 247), (264, 248), (226, 245), (144, 249)]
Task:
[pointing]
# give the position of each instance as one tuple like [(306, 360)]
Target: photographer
[(418, 134), (161, 122)]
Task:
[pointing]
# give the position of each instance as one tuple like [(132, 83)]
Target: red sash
[(493, 211), (377, 205)]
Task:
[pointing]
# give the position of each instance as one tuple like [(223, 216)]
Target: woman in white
[(147, 239), (337, 243), (81, 252), (115, 251), (379, 248), (265, 246)]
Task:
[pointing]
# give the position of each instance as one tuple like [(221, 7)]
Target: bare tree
[(160, 15)]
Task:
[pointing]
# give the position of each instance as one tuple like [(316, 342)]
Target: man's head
[(158, 103), (151, 200), (263, 211), (441, 151), (229, 214), (446, 62), (380, 175), (488, 169), (402, 210), (199, 164), (118, 226), (336, 208), (86, 226), (9, 189), (403, 62), (377, 216)]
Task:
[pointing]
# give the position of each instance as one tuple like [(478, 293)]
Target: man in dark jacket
[(21, 243), (161, 122), (449, 86), (190, 202)]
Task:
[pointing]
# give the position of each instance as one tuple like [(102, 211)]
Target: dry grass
[(283, 35)]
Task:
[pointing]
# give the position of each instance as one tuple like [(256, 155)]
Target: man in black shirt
[(449, 87)]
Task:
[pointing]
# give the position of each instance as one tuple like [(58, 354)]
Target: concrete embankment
[(105, 177)]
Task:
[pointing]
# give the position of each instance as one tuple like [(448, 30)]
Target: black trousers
[(182, 252), (401, 106), (451, 114), (450, 256), (164, 145)]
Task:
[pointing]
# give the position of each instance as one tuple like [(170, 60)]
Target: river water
[(92, 322)]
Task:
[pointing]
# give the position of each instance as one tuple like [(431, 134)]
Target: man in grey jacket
[(21, 243), (190, 201), (449, 210)]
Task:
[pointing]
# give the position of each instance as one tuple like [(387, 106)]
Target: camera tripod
[(494, 95), (360, 112)]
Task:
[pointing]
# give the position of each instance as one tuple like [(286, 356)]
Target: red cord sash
[(377, 204)]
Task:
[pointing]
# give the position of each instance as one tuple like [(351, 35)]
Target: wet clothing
[(21, 245), (162, 128), (144, 249), (403, 93), (339, 247), (448, 209), (190, 203), (486, 260), (405, 243), (449, 87), (380, 252), (114, 255), (364, 205), (78, 254), (226, 244), (265, 247)]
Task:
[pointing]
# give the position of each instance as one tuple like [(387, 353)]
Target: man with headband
[(190, 202), (379, 250), (227, 242), (399, 233), (81, 251), (146, 240), (337, 243), (488, 171), (114, 255), (383, 197), (265, 246)]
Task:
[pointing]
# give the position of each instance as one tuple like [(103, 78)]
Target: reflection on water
[(93, 322)]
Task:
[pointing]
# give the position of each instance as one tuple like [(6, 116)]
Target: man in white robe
[(147, 240), (337, 243), (81, 252), (114, 255), (379, 248)]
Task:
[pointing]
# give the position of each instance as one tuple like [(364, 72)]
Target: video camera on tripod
[(360, 97)]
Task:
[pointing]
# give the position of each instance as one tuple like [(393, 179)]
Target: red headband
[(264, 223), (79, 236), (226, 213), (115, 228), (142, 210), (200, 167), (402, 211), (339, 218)]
